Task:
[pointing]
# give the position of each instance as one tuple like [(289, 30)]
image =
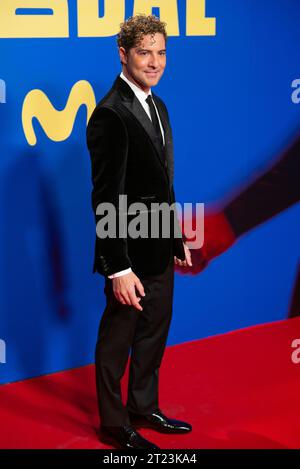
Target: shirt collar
[(140, 94)]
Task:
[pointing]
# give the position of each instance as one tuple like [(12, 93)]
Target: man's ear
[(123, 55)]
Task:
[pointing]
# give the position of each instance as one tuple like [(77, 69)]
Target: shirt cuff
[(119, 274)]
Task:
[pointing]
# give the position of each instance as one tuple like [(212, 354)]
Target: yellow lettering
[(13, 25), (196, 22), (57, 125), (89, 23), (168, 12)]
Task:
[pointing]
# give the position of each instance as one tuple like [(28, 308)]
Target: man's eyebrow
[(149, 50)]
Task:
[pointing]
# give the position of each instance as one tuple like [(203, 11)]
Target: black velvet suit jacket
[(127, 158)]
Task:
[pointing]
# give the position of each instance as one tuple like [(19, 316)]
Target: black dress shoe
[(125, 437), (158, 421)]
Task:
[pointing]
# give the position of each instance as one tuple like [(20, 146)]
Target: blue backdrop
[(232, 98)]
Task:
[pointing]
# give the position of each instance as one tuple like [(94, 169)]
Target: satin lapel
[(130, 101), (138, 111)]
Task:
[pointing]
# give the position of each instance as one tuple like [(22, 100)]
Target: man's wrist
[(121, 273)]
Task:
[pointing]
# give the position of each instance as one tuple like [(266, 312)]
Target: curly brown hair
[(136, 27)]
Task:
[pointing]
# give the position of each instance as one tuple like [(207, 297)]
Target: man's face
[(145, 63)]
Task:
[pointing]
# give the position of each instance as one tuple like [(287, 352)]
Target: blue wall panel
[(229, 99)]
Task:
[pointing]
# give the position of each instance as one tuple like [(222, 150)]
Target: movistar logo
[(57, 124)]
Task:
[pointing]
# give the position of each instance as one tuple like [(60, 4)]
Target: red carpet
[(238, 390)]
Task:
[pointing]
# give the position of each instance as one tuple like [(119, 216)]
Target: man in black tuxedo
[(130, 142)]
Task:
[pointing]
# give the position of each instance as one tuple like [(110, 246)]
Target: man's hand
[(187, 263), (124, 290), (218, 237)]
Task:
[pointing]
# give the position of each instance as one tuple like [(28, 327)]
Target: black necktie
[(154, 119)]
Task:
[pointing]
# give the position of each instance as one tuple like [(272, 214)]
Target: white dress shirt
[(141, 96)]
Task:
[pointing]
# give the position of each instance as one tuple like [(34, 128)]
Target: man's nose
[(154, 61)]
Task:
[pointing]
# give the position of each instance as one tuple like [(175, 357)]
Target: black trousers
[(122, 328)]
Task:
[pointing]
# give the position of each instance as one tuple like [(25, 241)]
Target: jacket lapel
[(130, 101)]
